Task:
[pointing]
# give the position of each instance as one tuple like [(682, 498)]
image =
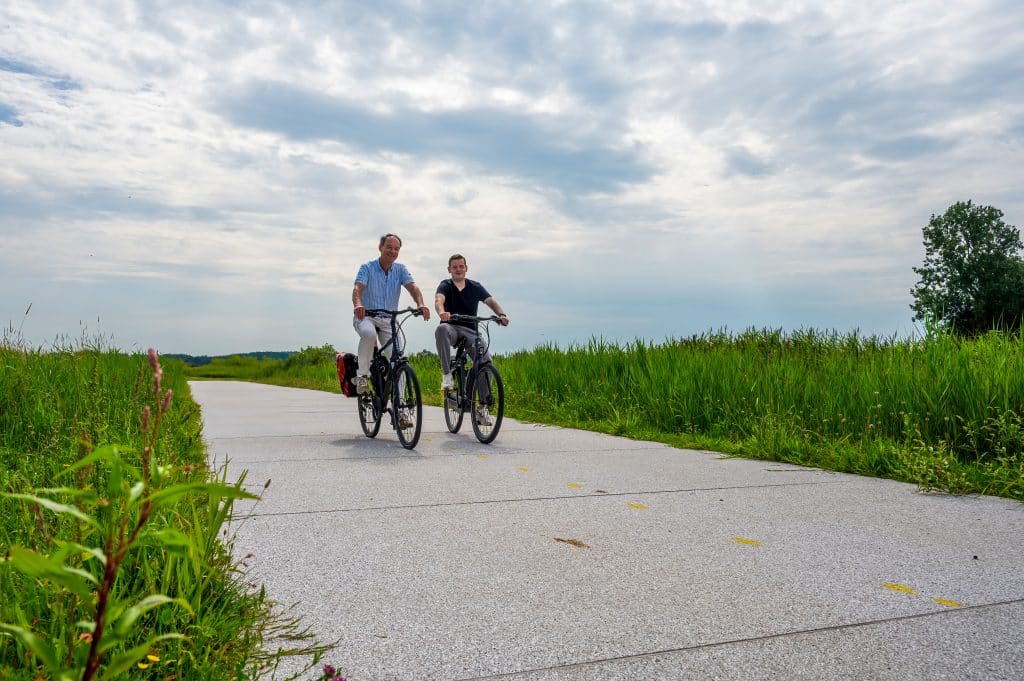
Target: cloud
[(57, 82), (537, 150), (910, 147), (744, 162), (9, 116)]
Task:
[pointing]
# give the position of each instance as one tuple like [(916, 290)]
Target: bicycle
[(392, 380), (477, 389)]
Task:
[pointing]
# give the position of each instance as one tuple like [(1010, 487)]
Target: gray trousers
[(446, 336)]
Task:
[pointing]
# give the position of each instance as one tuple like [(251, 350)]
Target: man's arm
[(439, 306), (357, 300), (493, 304), (417, 296)]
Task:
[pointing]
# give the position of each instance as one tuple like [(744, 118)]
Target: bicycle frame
[(479, 350), (388, 387)]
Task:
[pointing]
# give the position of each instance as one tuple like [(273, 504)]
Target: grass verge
[(112, 529), (944, 412)]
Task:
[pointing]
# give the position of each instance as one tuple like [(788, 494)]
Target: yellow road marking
[(481, 456), (524, 469), (948, 604), (635, 505), (901, 588), (747, 541), (575, 485)]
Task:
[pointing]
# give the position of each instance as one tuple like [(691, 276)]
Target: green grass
[(58, 412), (944, 412)]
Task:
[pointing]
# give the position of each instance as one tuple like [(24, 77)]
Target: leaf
[(573, 542), (74, 492), (215, 490), (168, 538), (126, 660), (39, 647), (109, 453), (37, 565), (137, 490), (91, 551), (132, 614), (55, 506)]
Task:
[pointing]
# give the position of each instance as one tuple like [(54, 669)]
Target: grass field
[(111, 529), (944, 412)]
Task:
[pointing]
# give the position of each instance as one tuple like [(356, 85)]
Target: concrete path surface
[(561, 554)]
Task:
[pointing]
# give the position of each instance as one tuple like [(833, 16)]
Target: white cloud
[(764, 163)]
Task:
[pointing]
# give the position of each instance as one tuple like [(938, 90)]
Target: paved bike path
[(560, 554)]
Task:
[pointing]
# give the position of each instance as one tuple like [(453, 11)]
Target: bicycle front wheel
[(408, 406), (453, 403), (487, 405), (369, 418)]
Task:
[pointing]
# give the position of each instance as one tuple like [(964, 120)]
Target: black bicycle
[(392, 380), (476, 388)]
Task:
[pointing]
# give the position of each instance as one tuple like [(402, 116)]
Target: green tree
[(972, 278)]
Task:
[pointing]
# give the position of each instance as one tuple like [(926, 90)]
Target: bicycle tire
[(409, 402), (454, 402), (494, 404), (369, 418)]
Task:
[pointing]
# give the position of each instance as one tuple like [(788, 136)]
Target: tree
[(972, 278)]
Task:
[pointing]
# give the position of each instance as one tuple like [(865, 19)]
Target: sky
[(207, 177)]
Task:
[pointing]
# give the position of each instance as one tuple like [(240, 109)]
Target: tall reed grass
[(109, 512)]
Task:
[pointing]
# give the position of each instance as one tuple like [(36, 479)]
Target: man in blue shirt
[(379, 285), (460, 295)]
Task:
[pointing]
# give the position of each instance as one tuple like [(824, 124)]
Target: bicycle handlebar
[(471, 318), (380, 312)]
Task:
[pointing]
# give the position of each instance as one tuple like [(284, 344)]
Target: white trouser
[(369, 330)]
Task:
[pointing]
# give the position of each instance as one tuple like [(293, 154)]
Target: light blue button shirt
[(382, 289)]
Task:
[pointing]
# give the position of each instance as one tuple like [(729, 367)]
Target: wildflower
[(143, 665), (153, 657), (85, 638), (167, 400), (329, 671)]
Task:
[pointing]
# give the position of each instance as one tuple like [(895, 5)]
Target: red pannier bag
[(348, 364)]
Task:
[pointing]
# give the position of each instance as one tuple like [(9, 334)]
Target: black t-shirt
[(465, 301)]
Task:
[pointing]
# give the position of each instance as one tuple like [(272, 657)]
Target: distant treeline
[(203, 360)]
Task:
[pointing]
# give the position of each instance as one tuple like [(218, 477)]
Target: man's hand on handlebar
[(425, 311)]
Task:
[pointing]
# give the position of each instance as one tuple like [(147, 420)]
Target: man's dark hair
[(457, 256), (388, 236)]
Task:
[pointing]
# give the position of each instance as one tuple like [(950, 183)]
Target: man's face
[(457, 268), (389, 251)]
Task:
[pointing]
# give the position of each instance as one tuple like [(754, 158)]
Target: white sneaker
[(483, 418), (447, 384), (362, 384)]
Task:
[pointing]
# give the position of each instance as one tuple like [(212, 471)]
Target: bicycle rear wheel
[(487, 404), (454, 404), (408, 405)]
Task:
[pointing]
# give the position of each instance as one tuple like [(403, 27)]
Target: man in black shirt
[(460, 295)]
